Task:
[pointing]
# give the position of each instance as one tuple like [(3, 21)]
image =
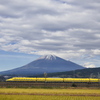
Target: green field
[(49, 94)]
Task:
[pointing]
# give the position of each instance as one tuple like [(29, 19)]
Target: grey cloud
[(50, 25)]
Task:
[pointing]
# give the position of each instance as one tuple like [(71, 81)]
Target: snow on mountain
[(47, 63), (48, 57)]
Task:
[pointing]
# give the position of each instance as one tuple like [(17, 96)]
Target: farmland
[(36, 97), (22, 88), (47, 85), (49, 94)]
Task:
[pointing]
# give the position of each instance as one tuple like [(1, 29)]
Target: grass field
[(49, 94), (35, 97), (50, 91)]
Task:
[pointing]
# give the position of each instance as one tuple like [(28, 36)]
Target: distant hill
[(83, 73), (48, 64)]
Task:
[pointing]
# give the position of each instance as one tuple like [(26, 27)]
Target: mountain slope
[(48, 64), (82, 73)]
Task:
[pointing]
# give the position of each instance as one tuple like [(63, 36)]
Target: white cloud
[(89, 65), (96, 52), (67, 28)]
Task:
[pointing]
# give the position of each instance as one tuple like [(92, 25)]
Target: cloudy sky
[(66, 28)]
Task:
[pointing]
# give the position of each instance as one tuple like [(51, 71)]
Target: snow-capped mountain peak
[(48, 57)]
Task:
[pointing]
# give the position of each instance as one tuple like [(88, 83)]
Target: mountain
[(48, 64), (82, 73)]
